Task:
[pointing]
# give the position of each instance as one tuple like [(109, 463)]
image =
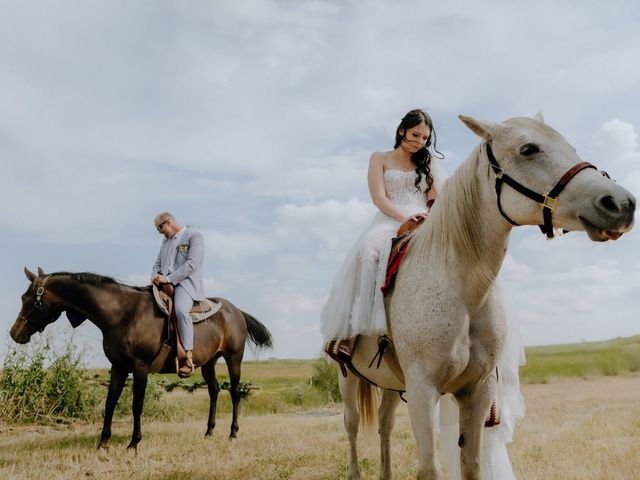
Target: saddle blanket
[(399, 247)]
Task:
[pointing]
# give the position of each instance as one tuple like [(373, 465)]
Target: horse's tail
[(367, 403), (259, 335)]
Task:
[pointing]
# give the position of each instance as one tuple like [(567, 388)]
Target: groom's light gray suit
[(180, 260)]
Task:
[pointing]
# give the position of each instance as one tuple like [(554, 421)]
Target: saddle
[(200, 311)]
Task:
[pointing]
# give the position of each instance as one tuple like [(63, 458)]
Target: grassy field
[(581, 360), (582, 422)]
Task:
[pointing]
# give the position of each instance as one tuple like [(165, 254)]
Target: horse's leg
[(209, 375), (116, 384), (234, 363), (139, 388), (422, 397), (349, 392), (386, 414), (474, 409)]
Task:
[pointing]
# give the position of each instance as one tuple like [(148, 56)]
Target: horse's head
[(39, 308), (542, 181)]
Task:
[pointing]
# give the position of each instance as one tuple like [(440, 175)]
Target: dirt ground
[(574, 429)]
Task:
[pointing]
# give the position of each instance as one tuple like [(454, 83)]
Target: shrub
[(31, 392), (325, 379)]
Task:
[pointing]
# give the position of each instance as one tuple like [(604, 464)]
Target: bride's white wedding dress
[(355, 306)]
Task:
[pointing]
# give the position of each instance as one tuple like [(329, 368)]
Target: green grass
[(278, 386), (580, 360), (291, 386)]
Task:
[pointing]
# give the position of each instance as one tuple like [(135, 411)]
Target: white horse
[(444, 313)]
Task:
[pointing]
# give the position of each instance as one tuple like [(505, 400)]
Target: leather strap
[(549, 201)]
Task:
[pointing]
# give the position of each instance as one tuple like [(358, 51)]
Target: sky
[(253, 123)]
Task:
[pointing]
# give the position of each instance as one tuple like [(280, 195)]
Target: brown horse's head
[(38, 310)]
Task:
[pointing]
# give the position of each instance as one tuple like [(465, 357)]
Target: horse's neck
[(491, 238), (100, 303)]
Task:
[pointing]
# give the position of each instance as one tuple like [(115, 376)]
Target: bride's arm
[(377, 190)]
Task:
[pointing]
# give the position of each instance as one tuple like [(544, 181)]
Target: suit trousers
[(182, 303)]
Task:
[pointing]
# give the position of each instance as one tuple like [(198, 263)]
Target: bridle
[(37, 305), (548, 201)]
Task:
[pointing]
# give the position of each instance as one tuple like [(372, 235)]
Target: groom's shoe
[(186, 368)]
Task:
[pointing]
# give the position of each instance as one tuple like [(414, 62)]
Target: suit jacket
[(181, 262)]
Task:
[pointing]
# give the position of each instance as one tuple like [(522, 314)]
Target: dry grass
[(574, 429)]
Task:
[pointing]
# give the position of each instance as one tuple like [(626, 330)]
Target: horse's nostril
[(608, 203)]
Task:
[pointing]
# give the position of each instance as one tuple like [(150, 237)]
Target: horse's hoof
[(208, 433), (103, 446), (134, 447)]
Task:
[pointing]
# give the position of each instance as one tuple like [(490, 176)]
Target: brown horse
[(132, 329)]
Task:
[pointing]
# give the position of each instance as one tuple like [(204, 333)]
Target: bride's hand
[(416, 217)]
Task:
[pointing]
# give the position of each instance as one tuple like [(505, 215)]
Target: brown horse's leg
[(116, 384), (233, 364), (139, 388), (209, 375)]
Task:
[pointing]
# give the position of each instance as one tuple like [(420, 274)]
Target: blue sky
[(253, 122)]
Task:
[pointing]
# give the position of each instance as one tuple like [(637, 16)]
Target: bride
[(403, 184)]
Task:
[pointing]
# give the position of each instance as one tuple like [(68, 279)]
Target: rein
[(548, 201)]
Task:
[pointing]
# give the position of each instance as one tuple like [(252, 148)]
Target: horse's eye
[(529, 149)]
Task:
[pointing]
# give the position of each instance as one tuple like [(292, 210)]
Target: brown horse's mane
[(95, 279)]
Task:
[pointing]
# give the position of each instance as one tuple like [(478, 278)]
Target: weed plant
[(325, 379), (39, 384)]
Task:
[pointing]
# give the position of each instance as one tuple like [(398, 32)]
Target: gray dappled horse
[(444, 314)]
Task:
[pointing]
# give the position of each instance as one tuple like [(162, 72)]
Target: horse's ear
[(480, 127), (30, 275), (41, 272), (539, 117)]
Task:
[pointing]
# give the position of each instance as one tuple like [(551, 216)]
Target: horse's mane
[(95, 279), (452, 223)]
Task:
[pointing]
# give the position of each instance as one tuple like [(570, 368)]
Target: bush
[(325, 379), (31, 392)]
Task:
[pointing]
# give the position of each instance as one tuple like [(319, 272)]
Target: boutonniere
[(183, 248)]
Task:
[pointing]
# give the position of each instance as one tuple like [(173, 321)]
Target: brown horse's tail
[(258, 333), (367, 403)]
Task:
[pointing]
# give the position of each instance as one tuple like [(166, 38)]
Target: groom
[(179, 263)]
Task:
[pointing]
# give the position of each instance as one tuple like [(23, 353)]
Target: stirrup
[(186, 369), (494, 416)]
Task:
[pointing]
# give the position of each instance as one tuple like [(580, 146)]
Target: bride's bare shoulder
[(379, 158)]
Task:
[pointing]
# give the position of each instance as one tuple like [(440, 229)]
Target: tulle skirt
[(355, 304)]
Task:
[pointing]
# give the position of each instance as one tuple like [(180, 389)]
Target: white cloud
[(254, 122), (331, 223), (238, 246)]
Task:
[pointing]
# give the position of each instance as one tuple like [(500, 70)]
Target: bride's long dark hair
[(422, 158)]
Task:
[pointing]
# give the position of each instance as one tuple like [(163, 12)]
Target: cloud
[(616, 142), (334, 224), (253, 121)]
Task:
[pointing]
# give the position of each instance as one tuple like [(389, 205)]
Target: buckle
[(550, 203)]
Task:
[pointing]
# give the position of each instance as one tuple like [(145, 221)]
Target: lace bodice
[(401, 189)]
